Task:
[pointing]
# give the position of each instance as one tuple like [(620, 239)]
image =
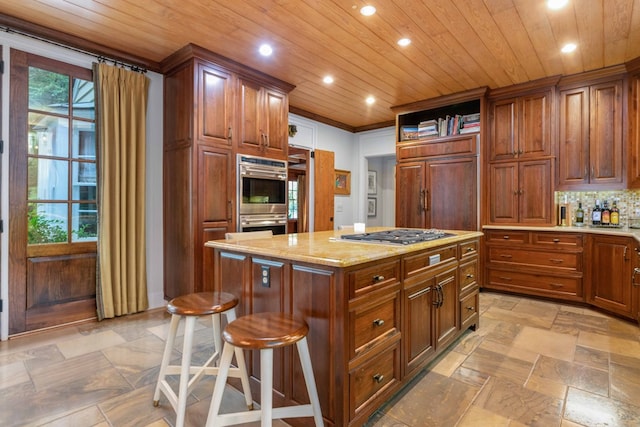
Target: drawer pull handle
[(508, 256), (556, 260), (469, 276), (378, 278), (378, 378), (556, 285), (471, 308), (470, 249), (505, 237), (378, 322), (556, 240), (505, 278)]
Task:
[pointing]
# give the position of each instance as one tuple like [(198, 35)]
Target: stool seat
[(202, 303), (265, 330)]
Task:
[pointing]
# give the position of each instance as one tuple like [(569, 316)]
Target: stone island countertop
[(327, 248)]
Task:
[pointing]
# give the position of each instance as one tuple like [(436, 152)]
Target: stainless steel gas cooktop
[(401, 236)]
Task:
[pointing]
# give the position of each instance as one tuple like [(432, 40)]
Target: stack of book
[(408, 133), (470, 123), (428, 128)]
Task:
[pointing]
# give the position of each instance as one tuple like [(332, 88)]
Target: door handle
[(230, 135), (421, 200), (636, 271)]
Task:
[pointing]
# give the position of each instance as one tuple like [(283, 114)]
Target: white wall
[(154, 167)]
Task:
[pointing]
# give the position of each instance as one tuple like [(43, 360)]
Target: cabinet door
[(446, 314), (611, 274), (251, 138), (410, 195), (215, 109), (503, 129), (573, 143), (503, 192), (534, 126), (535, 192), (452, 194), (275, 120), (216, 197), (633, 180), (418, 331), (605, 134)]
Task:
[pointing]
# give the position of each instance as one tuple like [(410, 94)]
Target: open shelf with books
[(448, 115)]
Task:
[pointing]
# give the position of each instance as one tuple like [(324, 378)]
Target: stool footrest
[(251, 416)]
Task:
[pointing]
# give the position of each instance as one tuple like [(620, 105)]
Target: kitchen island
[(377, 313)]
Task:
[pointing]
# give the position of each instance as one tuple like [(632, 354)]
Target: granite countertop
[(326, 247), (622, 231)]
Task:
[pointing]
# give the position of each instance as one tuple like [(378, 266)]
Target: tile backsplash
[(628, 202)]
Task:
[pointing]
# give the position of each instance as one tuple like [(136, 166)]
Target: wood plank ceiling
[(456, 45)]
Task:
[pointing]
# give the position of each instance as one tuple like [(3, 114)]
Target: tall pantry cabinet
[(204, 117)]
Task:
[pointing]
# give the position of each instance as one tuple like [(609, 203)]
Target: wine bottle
[(605, 216), (579, 215), (615, 214), (596, 214)]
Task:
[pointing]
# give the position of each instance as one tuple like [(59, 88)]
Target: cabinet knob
[(469, 276), (470, 249), (556, 240), (378, 378), (378, 278), (471, 308), (378, 322), (505, 237)]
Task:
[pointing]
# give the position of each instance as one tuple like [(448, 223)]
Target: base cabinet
[(372, 326)]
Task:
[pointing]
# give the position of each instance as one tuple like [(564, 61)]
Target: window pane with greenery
[(293, 199), (61, 159)]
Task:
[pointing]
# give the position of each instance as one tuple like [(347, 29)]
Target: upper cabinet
[(591, 128), (520, 126), (263, 114), (215, 105), (633, 175)]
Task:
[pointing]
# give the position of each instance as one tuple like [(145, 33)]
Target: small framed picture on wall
[(342, 182), (372, 185), (371, 206)]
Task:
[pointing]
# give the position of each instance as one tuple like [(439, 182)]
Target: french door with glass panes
[(52, 194)]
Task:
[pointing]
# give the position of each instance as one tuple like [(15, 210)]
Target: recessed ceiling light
[(568, 48), (370, 100), (404, 42), (265, 50), (328, 79), (368, 10), (557, 4)]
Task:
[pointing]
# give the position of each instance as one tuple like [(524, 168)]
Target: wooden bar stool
[(192, 306), (264, 332)]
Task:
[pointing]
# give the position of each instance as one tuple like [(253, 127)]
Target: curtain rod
[(100, 58)]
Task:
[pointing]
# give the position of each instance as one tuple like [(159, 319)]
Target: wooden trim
[(441, 101), (68, 40), (321, 119), (524, 88), (591, 77)]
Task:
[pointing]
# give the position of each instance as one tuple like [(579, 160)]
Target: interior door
[(323, 190), (52, 200)]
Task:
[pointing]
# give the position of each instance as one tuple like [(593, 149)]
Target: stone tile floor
[(531, 363)]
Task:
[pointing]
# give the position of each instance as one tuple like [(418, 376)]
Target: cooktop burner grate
[(402, 236)]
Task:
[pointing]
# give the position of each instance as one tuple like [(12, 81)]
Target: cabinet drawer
[(540, 284), (506, 236), (421, 262), (375, 277), (372, 322), (557, 240), (468, 276), (373, 377), (468, 308), (419, 150), (468, 249), (561, 260)]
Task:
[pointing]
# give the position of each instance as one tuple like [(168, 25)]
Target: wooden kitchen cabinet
[(542, 263), (591, 143), (521, 192), (633, 165), (201, 125), (520, 126), (441, 192), (611, 270), (263, 115)]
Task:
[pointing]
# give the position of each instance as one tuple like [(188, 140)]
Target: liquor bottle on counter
[(596, 214), (615, 214), (579, 215), (605, 216)]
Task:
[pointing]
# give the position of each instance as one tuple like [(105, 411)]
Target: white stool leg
[(309, 379), (242, 366), (266, 386), (221, 381), (217, 338), (189, 327), (166, 356)]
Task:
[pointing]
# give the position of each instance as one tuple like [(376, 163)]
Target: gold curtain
[(121, 98), (303, 206)]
